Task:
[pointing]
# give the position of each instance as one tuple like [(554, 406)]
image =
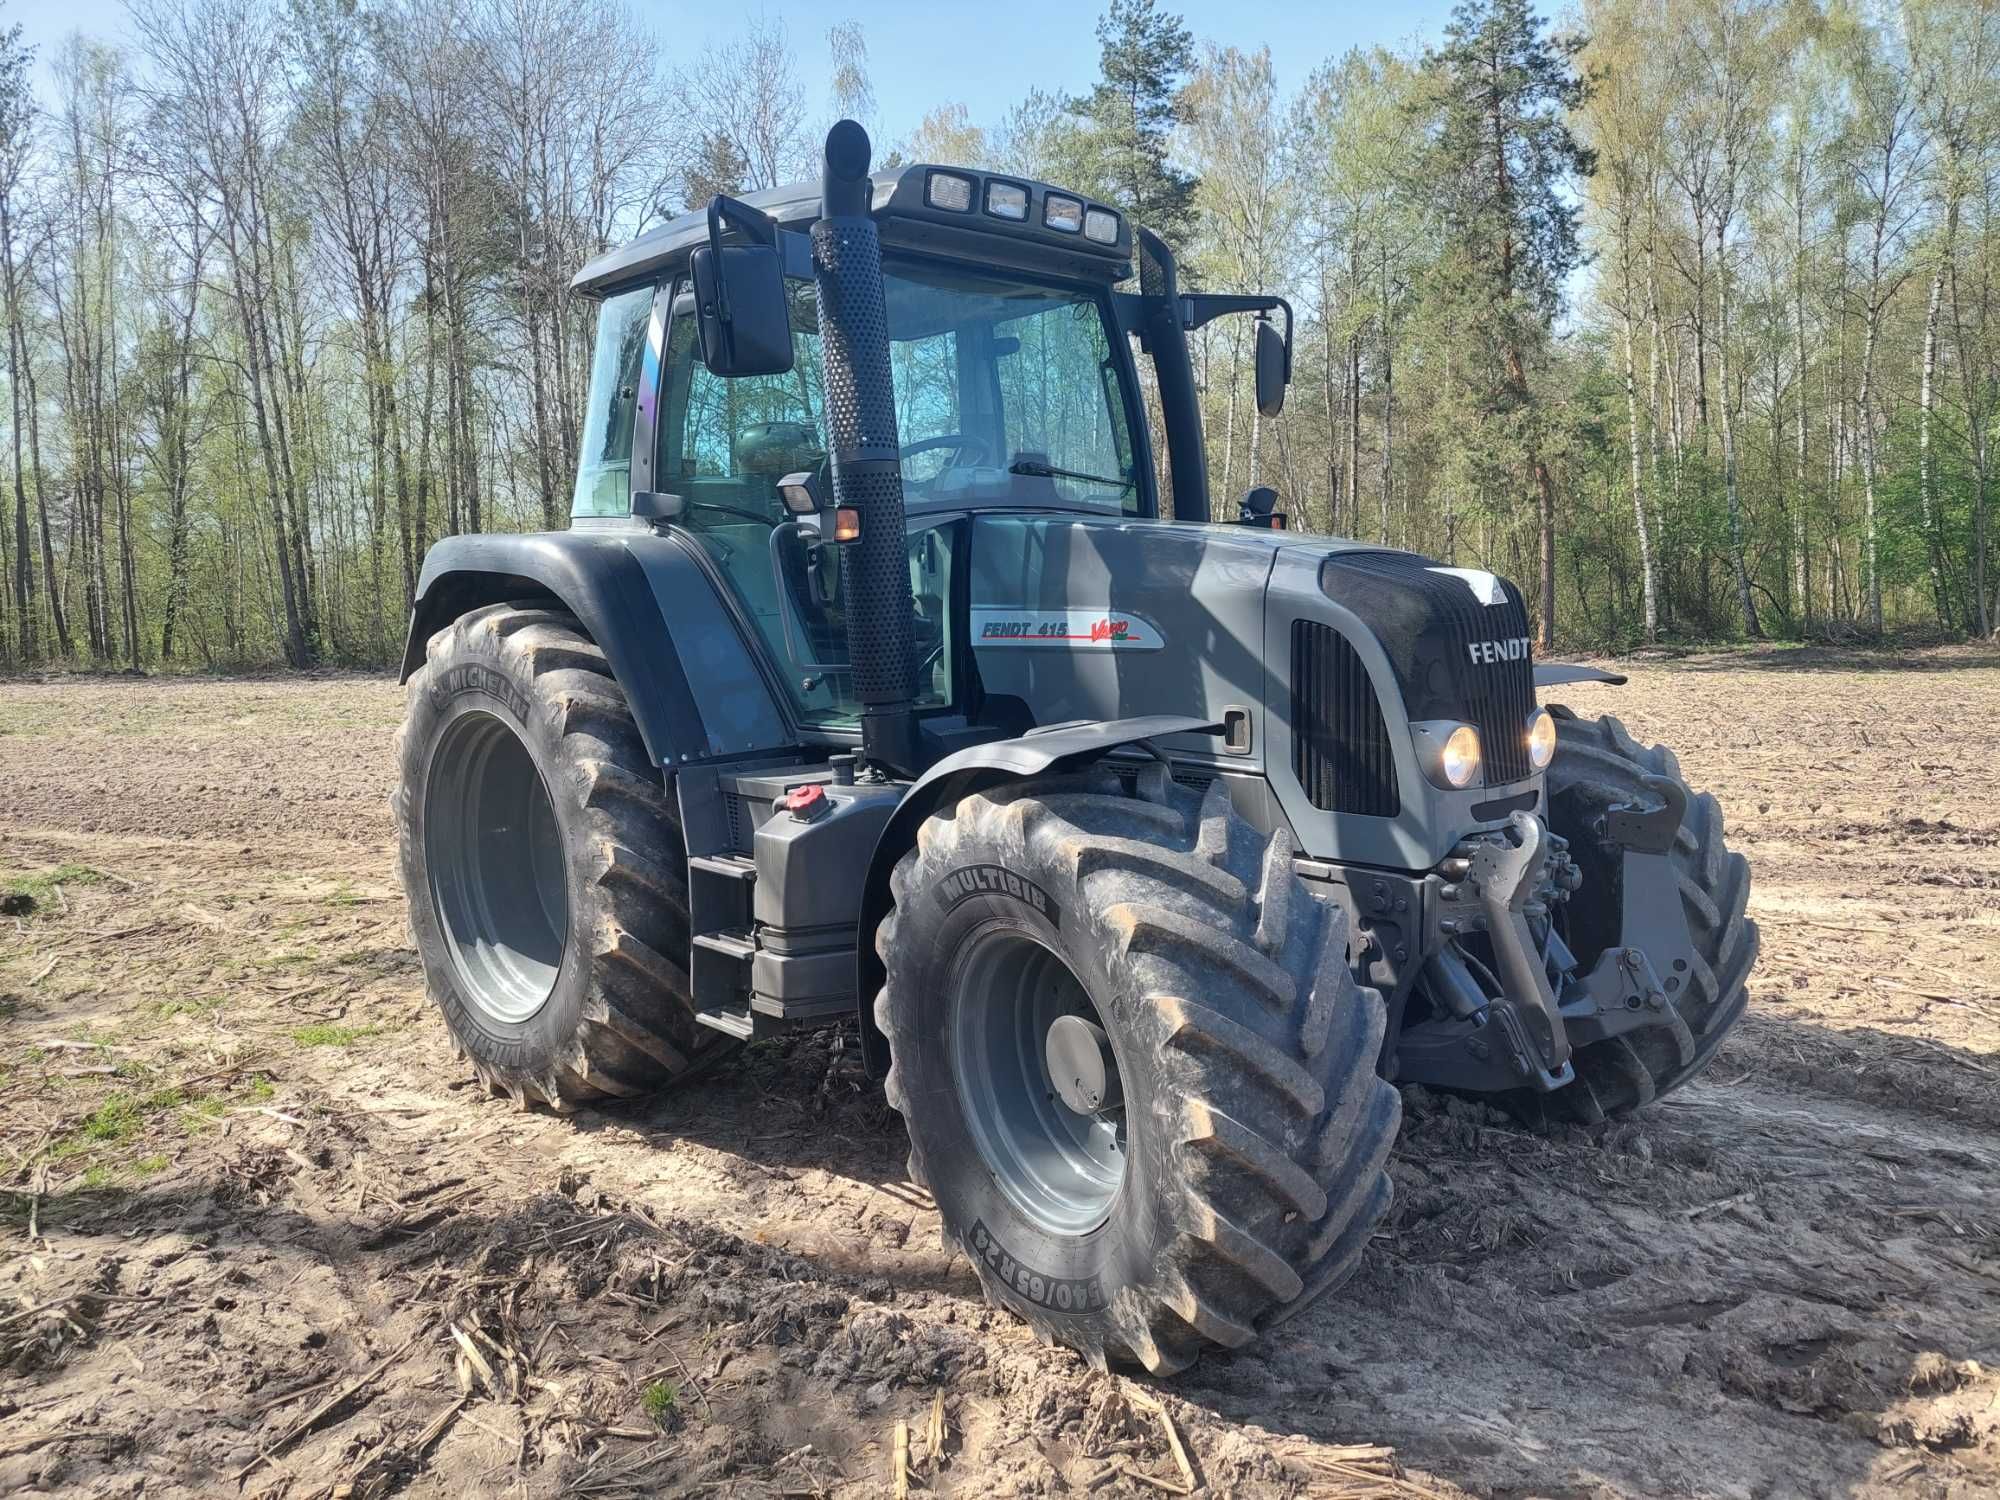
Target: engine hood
[(1085, 617), (1318, 651)]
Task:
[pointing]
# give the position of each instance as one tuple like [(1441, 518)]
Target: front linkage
[(1479, 948)]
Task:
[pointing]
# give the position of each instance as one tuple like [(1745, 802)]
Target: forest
[(1680, 314)]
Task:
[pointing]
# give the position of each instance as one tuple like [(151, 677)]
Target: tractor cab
[(1014, 382)]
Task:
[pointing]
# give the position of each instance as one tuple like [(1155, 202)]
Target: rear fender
[(696, 684), (979, 768)]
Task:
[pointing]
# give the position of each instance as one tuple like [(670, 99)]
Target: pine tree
[(1503, 160), (718, 167), (1129, 116)]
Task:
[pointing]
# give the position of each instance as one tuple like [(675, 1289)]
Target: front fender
[(695, 683), (1039, 752)]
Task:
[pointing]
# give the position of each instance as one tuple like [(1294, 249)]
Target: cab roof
[(908, 220)]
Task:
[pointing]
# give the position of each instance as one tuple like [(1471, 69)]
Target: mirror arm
[(759, 226), (1199, 308)]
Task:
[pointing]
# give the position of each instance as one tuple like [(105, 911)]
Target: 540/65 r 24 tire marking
[(1056, 1293)]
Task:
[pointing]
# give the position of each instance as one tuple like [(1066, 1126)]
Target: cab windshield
[(1006, 394)]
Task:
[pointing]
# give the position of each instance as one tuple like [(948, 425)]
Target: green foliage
[(328, 1034), (206, 1005), (40, 885), (112, 1120), (1502, 166), (660, 1399), (1130, 114), (1469, 296)]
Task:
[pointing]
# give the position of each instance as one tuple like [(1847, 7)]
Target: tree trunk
[(1649, 591), (1745, 600), (1801, 553), (24, 552), (1388, 398), (58, 616), (1926, 458), (1354, 434), (1865, 417)]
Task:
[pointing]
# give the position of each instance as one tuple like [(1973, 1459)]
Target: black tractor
[(871, 688)]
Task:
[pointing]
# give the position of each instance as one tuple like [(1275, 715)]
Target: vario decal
[(1064, 629)]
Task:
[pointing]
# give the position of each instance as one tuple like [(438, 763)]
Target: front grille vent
[(1499, 701), (1340, 741)]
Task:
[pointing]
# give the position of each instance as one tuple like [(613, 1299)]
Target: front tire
[(1598, 765), (544, 864), (1244, 1173)]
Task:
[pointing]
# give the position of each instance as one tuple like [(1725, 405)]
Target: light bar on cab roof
[(948, 190), (1007, 200), (1059, 211)]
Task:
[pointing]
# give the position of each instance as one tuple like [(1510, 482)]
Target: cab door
[(723, 444)]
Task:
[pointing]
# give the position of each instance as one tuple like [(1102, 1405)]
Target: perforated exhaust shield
[(867, 475)]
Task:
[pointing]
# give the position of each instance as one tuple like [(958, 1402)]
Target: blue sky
[(983, 56)]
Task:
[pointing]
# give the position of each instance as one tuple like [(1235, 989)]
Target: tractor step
[(739, 1024), (737, 944), (729, 866)]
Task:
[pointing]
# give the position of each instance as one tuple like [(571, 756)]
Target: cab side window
[(727, 441), (604, 459), (924, 372)]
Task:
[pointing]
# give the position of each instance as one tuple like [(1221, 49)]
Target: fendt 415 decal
[(1069, 629)]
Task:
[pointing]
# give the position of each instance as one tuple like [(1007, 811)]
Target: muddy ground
[(262, 1236)]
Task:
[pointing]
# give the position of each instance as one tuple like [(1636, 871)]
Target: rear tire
[(1254, 1128), (544, 864), (1598, 765)]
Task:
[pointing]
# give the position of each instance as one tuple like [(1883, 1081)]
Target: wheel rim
[(498, 880), (1060, 1168)]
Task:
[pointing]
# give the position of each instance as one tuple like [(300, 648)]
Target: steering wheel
[(958, 442)]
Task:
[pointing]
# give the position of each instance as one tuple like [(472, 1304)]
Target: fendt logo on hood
[(1487, 653)]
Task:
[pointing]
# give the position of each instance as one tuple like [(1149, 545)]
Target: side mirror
[(1274, 350), (1271, 372), (739, 291), (658, 505)]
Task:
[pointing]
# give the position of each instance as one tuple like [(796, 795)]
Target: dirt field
[(262, 1237)]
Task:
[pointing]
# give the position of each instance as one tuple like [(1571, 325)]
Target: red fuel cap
[(806, 802)]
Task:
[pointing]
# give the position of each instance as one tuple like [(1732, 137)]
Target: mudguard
[(695, 679), (1039, 752), (1556, 673)]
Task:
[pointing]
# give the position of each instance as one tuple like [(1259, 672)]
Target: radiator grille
[(1498, 704), (1340, 743)]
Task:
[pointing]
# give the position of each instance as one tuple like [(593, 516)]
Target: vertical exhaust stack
[(865, 451)]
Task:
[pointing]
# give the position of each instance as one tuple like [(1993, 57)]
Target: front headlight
[(1541, 738), (1448, 751), (1460, 758)]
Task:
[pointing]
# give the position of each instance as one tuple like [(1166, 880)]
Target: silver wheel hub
[(498, 878), (1038, 1081)]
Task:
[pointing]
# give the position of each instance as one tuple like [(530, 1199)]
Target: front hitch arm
[(1506, 872)]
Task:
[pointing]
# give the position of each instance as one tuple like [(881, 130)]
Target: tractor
[(1141, 857)]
